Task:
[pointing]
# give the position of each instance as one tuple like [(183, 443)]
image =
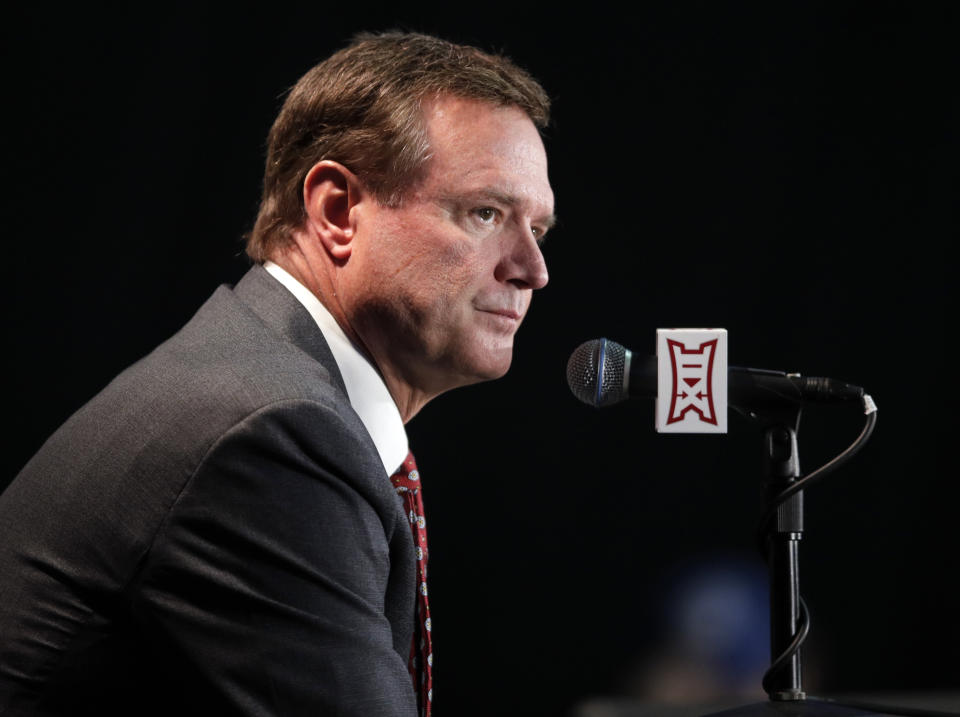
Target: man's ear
[(330, 191)]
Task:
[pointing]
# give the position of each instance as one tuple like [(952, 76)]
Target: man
[(217, 532)]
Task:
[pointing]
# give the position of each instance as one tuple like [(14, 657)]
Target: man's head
[(406, 187), (363, 108)]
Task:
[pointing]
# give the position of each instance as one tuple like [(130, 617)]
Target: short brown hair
[(362, 108)]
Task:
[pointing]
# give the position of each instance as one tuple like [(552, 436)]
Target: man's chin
[(490, 366)]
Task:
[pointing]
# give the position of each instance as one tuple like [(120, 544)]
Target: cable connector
[(868, 405)]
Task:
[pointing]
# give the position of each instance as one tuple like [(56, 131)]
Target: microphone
[(602, 372)]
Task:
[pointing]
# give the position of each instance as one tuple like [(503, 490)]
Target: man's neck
[(365, 386), (320, 282)]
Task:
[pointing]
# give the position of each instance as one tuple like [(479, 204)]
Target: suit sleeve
[(271, 574)]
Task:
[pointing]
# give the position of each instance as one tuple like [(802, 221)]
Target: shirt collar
[(366, 390)]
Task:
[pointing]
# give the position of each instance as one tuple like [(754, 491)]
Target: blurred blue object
[(717, 613), (714, 633)]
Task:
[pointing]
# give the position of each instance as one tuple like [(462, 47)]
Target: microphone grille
[(595, 372)]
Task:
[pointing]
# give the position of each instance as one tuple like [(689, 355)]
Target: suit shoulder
[(128, 452)]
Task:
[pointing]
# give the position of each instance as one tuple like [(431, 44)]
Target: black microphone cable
[(803, 628)]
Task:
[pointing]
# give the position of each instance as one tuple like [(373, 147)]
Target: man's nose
[(522, 262)]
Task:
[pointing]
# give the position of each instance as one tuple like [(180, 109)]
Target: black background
[(784, 170)]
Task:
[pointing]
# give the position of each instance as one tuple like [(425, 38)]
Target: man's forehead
[(484, 148), (465, 122)]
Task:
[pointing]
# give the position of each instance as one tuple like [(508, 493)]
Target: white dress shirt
[(366, 390)]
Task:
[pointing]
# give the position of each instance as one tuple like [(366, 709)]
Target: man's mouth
[(506, 313)]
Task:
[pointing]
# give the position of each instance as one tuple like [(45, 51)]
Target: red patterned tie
[(407, 482)]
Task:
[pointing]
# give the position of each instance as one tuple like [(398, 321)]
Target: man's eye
[(487, 215)]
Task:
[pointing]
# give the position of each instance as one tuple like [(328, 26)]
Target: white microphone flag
[(691, 381)]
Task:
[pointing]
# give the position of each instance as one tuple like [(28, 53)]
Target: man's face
[(445, 279)]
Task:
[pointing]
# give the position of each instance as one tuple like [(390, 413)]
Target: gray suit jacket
[(212, 533)]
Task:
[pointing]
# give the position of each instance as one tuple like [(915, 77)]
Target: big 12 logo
[(691, 381)]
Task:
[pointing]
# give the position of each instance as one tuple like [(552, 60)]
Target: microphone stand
[(781, 537), (781, 540)]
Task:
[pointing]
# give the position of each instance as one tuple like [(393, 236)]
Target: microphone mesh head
[(595, 372)]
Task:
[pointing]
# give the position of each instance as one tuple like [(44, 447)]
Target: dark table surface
[(846, 705)]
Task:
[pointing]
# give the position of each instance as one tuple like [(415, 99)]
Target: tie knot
[(407, 478)]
